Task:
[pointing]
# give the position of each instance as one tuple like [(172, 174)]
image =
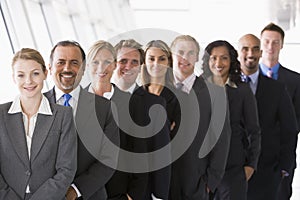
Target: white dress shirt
[(29, 124), (106, 95), (73, 100), (187, 83)]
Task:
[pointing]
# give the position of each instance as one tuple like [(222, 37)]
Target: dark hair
[(235, 67), (29, 54), (131, 43), (169, 78), (273, 27), (66, 43)]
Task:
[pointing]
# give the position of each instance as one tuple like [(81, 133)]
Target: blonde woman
[(38, 142)]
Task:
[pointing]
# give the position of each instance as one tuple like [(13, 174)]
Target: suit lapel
[(14, 123), (260, 86), (85, 107), (281, 74), (41, 131), (51, 95)]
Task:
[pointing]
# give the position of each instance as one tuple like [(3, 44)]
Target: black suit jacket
[(138, 186), (123, 183), (245, 136), (292, 81), (198, 173), (158, 180), (92, 116), (278, 125)]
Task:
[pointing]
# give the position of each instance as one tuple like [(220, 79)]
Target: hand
[(284, 174), (249, 172), (207, 189), (128, 197), (71, 194), (172, 126)]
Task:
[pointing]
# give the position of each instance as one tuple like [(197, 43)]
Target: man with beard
[(277, 120), (96, 128)]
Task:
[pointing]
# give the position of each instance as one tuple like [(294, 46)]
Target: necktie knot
[(246, 79), (270, 73), (179, 85), (67, 98)]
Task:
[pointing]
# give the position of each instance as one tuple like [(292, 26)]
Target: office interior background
[(40, 24)]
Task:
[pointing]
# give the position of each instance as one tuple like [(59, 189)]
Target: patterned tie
[(67, 98), (269, 73), (246, 79), (179, 86)]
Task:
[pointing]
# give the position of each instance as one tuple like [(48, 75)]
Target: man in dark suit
[(200, 169), (98, 137), (272, 39), (277, 120)]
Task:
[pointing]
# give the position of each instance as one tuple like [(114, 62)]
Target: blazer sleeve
[(98, 174), (66, 161), (217, 158), (252, 127), (7, 192), (289, 131)]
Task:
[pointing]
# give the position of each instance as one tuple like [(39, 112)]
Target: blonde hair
[(185, 38), (100, 44)]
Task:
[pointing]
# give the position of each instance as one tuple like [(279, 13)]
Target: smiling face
[(128, 66), (156, 63), (271, 44), (67, 67), (185, 56), (102, 66), (28, 76), (219, 62), (249, 53)]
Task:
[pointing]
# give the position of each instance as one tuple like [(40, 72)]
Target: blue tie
[(67, 97), (246, 79)]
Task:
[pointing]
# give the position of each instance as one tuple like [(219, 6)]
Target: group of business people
[(230, 133)]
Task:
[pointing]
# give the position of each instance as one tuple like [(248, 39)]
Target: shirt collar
[(131, 88), (188, 79), (187, 83), (43, 109), (253, 76), (106, 95), (274, 69), (74, 93), (228, 82)]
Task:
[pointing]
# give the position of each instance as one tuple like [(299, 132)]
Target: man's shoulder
[(288, 72)]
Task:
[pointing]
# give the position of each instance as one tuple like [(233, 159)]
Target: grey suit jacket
[(52, 164), (97, 154)]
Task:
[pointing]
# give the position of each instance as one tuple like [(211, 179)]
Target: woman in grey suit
[(38, 142)]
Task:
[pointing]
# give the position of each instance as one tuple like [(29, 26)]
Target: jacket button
[(28, 173)]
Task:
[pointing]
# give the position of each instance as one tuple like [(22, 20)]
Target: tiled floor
[(296, 181)]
